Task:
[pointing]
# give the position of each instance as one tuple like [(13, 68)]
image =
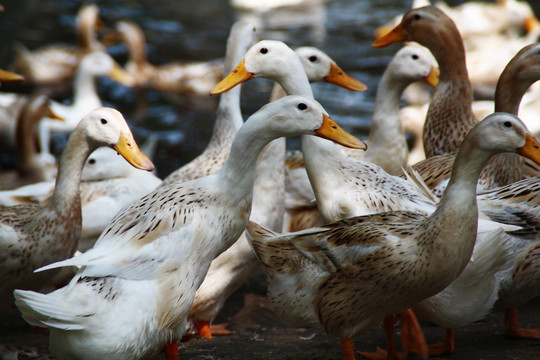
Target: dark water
[(197, 30)]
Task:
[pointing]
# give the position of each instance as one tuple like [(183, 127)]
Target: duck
[(506, 25), (196, 77), (85, 97), (32, 236), (387, 145), (54, 65), (351, 274), (29, 168), (234, 266), (148, 264), (449, 116)]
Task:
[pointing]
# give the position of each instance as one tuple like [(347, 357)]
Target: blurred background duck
[(85, 97), (29, 168), (55, 65), (197, 77), (32, 236)]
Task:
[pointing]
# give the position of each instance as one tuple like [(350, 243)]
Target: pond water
[(197, 30)]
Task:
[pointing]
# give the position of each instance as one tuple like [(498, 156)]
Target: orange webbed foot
[(391, 353), (381, 354), (511, 326), (220, 330), (412, 336)]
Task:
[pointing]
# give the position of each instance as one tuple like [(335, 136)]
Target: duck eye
[(312, 58), (417, 17), (302, 106), (507, 124), (103, 121), (415, 57), (91, 161), (264, 50)]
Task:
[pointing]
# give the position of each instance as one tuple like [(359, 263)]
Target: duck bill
[(531, 23), (394, 36), (332, 131), (127, 147), (122, 76), (531, 149), (339, 77), (8, 76), (237, 76), (433, 77), (52, 115)]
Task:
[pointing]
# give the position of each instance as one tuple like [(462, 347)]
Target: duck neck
[(385, 124), (237, 175), (85, 88), (459, 198), (26, 149), (72, 160), (450, 111), (510, 90)]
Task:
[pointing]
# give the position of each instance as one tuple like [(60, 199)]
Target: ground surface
[(259, 334)]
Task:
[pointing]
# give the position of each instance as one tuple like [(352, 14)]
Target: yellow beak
[(332, 131), (237, 76), (394, 36), (127, 147), (339, 77), (531, 149), (8, 76), (433, 77), (122, 76)]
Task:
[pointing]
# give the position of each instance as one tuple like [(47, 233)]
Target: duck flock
[(118, 263)]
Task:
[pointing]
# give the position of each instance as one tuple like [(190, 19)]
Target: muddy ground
[(259, 334)]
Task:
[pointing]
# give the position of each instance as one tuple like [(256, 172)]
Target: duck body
[(163, 244)]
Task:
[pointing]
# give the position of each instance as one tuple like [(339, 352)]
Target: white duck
[(387, 145), (32, 236), (232, 268), (349, 275), (85, 96), (136, 285)]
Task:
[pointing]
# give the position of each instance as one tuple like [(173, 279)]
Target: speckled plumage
[(359, 270), (32, 236), (450, 116)]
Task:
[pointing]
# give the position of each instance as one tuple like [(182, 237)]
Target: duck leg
[(412, 336), (511, 326), (445, 347), (206, 330), (347, 345), (391, 353), (171, 350)]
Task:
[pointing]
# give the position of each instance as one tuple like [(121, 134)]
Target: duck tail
[(45, 310)]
